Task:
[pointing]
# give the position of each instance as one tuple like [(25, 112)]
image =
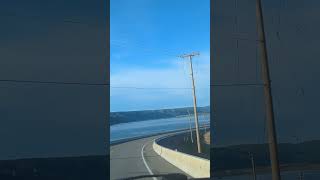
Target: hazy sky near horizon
[(146, 37)]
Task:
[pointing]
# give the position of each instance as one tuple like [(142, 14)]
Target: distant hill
[(131, 116)]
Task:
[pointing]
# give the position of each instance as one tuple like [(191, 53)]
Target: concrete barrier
[(194, 166)]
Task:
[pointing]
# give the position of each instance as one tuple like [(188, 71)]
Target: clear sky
[(146, 38)]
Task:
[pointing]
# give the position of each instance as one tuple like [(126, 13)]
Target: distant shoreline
[(119, 141), (134, 116)]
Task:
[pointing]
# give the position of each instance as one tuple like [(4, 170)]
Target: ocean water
[(149, 127)]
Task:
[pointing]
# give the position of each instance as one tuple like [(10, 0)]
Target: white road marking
[(144, 161)]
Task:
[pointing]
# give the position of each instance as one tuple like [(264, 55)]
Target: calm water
[(142, 128)]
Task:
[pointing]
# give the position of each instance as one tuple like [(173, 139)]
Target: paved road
[(136, 158)]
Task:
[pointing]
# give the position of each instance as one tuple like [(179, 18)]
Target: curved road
[(137, 157)]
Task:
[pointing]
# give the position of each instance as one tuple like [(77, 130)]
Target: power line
[(127, 87), (118, 87), (82, 83), (63, 20), (52, 82), (214, 85), (238, 84)]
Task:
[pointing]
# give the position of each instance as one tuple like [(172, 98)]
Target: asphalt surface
[(137, 157)]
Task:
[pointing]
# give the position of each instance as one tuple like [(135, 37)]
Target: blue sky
[(146, 37)]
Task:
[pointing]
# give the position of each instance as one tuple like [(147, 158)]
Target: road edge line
[(144, 161)]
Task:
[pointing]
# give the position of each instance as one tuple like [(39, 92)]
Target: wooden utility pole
[(190, 127), (253, 165), (273, 145), (301, 175), (194, 97)]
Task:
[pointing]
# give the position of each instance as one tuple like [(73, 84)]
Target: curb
[(194, 166)]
